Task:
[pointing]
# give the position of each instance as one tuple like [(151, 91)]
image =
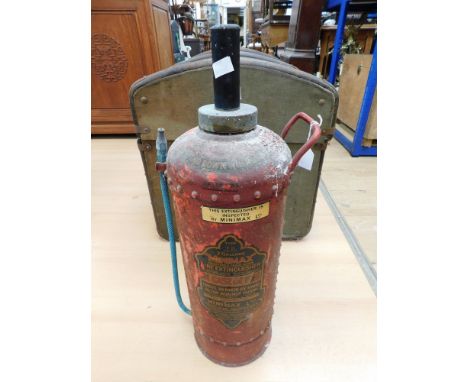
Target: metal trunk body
[(230, 257), (277, 89)]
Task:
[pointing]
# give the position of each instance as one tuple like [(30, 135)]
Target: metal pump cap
[(235, 121), (227, 115)]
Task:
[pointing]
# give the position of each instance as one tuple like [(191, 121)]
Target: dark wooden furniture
[(129, 39), (303, 34)]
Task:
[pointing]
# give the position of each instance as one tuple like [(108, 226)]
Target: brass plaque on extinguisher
[(232, 284)]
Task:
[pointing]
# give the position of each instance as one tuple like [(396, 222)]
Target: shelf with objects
[(190, 29), (358, 101), (275, 24), (255, 20)]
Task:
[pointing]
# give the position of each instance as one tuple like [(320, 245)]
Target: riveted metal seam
[(224, 343)]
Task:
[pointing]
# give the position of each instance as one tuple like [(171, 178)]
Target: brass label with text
[(232, 284)]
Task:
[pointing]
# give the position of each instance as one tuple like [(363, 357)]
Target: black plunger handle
[(225, 42)]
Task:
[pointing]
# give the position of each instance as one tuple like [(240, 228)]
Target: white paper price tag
[(307, 160), (222, 67)]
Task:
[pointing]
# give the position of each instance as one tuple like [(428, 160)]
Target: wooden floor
[(352, 182), (324, 323)]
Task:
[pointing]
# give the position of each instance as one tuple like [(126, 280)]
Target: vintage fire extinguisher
[(228, 179)]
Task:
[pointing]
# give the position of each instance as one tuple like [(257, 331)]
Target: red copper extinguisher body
[(228, 179), (229, 196)]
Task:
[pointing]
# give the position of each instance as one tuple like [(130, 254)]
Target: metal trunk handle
[(314, 137)]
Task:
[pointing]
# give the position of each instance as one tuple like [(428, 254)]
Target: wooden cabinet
[(274, 34), (353, 82), (129, 39)]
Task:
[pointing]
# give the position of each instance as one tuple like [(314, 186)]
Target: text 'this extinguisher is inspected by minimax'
[(228, 179)]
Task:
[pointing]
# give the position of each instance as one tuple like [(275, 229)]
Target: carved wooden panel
[(108, 59), (126, 44)]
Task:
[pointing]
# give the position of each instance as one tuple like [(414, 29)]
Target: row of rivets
[(214, 197), (211, 339)]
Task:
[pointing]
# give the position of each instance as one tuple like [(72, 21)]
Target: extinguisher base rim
[(264, 340)]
